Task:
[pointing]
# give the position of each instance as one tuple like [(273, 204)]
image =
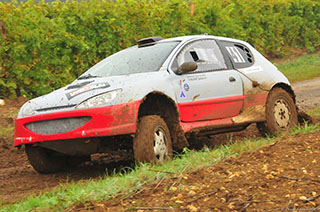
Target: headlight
[(99, 100), (26, 110)]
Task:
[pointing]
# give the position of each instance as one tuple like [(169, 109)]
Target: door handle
[(232, 79)]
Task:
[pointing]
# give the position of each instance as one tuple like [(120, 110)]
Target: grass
[(130, 180), (315, 112), (306, 129), (301, 68), (7, 131)]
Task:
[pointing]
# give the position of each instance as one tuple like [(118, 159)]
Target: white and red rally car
[(154, 95)]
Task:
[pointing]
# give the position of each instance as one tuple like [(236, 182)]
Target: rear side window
[(240, 55)]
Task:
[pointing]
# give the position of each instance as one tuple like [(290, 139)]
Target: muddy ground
[(244, 185), (284, 176)]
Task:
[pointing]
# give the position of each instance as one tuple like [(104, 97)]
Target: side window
[(205, 53), (240, 55)]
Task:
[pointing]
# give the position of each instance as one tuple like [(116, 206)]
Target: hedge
[(47, 45)]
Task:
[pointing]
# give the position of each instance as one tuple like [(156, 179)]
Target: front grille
[(56, 126)]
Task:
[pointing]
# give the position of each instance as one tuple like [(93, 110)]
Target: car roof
[(193, 37)]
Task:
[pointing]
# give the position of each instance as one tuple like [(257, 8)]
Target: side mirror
[(187, 67)]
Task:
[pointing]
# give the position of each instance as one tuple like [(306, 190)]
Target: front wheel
[(281, 113), (152, 142), (45, 160)]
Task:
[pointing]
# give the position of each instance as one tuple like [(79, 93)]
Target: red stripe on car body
[(217, 108), (255, 99)]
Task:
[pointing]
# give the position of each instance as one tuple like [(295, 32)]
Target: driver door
[(212, 91)]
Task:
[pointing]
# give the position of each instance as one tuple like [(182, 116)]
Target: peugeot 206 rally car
[(152, 97)]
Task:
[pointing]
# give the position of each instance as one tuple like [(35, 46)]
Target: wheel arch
[(287, 88), (302, 116), (158, 103)]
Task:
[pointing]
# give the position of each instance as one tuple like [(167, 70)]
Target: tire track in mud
[(308, 94)]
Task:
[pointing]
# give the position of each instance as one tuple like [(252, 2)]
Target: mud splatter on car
[(156, 95)]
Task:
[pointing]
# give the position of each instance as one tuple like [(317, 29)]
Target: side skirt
[(247, 116)]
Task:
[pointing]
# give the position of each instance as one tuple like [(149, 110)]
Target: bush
[(49, 44)]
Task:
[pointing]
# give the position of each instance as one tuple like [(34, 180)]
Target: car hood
[(78, 91)]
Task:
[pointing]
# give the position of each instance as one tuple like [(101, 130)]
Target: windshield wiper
[(88, 76)]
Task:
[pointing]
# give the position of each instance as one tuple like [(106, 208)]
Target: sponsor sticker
[(252, 69), (182, 95), (186, 87), (197, 77), (86, 89)]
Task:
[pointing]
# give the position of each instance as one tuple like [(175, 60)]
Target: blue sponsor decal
[(182, 95), (186, 87)]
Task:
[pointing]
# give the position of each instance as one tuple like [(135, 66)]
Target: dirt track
[(284, 176), (308, 94), (18, 179)]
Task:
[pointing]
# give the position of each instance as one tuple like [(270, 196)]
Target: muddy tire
[(152, 142), (73, 161), (281, 113), (44, 160)]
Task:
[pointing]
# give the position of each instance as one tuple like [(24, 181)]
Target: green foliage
[(49, 44)]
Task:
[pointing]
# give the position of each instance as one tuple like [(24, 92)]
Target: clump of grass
[(315, 112), (306, 128), (7, 131)]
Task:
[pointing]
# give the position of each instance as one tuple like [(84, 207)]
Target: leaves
[(49, 45)]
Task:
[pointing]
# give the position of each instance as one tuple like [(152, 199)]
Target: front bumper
[(103, 121)]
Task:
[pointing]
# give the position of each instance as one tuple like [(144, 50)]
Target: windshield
[(132, 60)]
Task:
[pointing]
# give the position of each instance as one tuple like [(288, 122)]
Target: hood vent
[(79, 85), (55, 108)]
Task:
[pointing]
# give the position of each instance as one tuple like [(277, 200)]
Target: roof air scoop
[(148, 41)]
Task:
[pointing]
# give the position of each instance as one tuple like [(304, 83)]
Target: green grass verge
[(130, 181), (301, 68)]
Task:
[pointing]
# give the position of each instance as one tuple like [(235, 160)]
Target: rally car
[(152, 97)]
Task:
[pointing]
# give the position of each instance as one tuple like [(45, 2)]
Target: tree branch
[(3, 30)]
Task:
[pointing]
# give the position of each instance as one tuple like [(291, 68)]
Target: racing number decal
[(235, 54)]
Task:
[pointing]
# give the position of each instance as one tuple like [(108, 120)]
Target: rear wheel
[(281, 113), (44, 160), (152, 142)]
